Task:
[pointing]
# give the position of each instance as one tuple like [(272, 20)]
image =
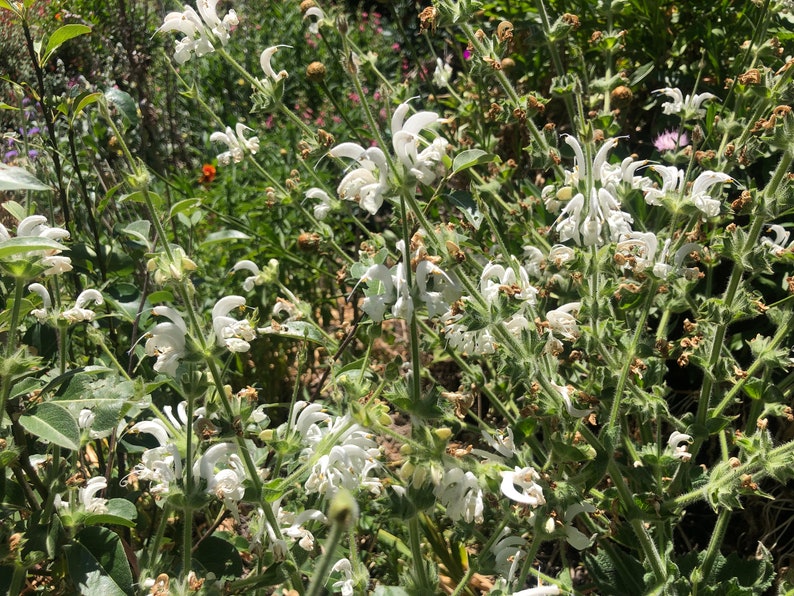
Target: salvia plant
[(467, 298)]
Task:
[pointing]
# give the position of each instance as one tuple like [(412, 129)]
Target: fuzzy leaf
[(52, 423), (97, 563), (16, 178)]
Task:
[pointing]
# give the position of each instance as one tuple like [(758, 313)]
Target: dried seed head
[(751, 77), (621, 96), (507, 63), (571, 19), (315, 72), (428, 19), (504, 32), (306, 5)]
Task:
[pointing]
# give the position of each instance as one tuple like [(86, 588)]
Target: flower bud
[(343, 509)]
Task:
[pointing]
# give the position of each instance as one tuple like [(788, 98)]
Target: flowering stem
[(717, 536), (640, 531), (704, 402), (317, 585), (628, 356)]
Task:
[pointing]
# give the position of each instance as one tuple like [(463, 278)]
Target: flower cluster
[(35, 226), (199, 29), (339, 452)]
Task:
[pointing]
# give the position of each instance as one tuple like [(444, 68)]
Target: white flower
[(502, 443), (562, 322), (251, 280), (343, 453), (225, 483), (679, 442), (442, 73), (776, 246), (346, 585), (561, 254), (700, 193), (41, 313), (426, 166), (325, 205), (530, 493), (197, 29), (573, 411), (368, 184), (161, 465), (512, 280), (36, 225), (231, 333), (314, 11), (79, 313), (236, 142), (689, 105), (267, 68), (91, 503), (461, 494), (167, 341)]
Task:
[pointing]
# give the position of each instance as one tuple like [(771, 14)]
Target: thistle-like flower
[(236, 142)]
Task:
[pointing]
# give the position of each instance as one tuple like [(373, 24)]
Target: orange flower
[(207, 174)]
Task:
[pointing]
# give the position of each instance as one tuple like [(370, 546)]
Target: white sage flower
[(236, 142), (460, 493), (224, 473), (79, 313), (166, 340), (529, 492), (368, 184), (231, 333), (264, 61), (679, 442), (562, 322), (689, 105), (87, 494), (701, 189), (198, 30), (325, 205), (46, 302), (424, 166), (442, 74), (776, 246)]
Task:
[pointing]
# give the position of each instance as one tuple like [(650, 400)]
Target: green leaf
[(139, 230), (124, 103), (218, 556), (52, 423), (639, 74), (85, 101), (470, 158), (97, 563), (297, 330), (26, 244), (224, 236), (184, 206), (61, 36), (121, 512), (464, 201), (16, 178), (16, 210), (390, 591)]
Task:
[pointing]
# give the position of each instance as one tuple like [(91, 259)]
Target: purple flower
[(670, 140)]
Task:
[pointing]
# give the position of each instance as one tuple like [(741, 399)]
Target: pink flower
[(670, 140)]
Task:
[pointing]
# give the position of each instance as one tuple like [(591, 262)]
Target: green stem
[(614, 411), (5, 384), (317, 585), (414, 536), (717, 536)]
